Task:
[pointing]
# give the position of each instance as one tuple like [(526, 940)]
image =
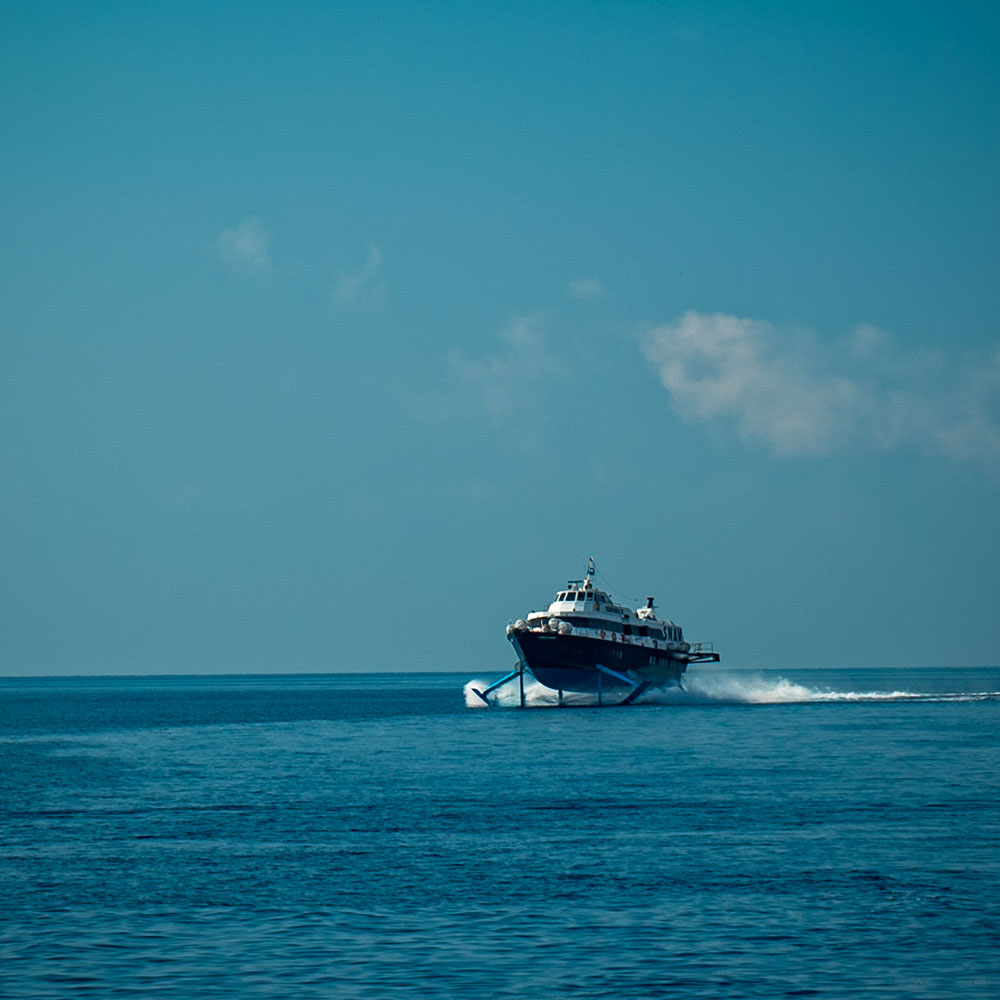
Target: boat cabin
[(581, 600)]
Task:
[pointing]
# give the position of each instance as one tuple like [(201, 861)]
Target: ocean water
[(804, 834)]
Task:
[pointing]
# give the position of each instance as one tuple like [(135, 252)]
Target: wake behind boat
[(587, 643)]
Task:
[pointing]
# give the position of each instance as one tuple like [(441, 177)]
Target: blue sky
[(334, 336)]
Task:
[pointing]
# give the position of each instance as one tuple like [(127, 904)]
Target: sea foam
[(709, 687)]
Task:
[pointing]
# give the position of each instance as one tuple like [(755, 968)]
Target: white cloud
[(802, 397), (351, 287), (245, 248), (586, 288)]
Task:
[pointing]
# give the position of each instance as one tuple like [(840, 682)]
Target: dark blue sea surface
[(806, 834)]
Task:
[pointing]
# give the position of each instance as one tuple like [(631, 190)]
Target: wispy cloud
[(803, 397), (246, 248), (351, 287), (503, 381), (586, 288)]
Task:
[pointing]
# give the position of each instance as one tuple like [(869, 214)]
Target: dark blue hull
[(573, 662)]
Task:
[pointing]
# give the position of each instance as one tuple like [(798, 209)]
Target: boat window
[(561, 596), (627, 629), (643, 630)]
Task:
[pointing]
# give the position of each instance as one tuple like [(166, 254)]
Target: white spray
[(709, 687)]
